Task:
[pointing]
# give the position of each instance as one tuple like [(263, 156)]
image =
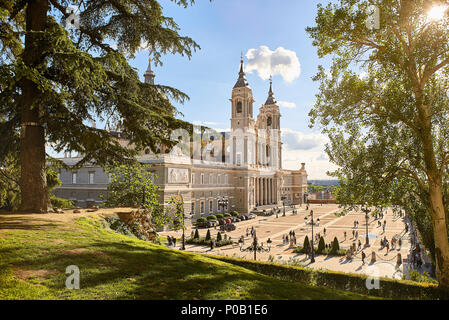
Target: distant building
[(242, 166)]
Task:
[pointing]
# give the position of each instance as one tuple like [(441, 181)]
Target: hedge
[(211, 217), (219, 216), (204, 242), (388, 288), (234, 213)]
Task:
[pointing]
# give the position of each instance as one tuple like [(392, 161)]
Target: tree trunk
[(435, 199), (33, 182), (440, 234)]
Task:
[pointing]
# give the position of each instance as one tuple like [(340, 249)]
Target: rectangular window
[(91, 177), (211, 206), (202, 207), (211, 179), (74, 174), (192, 212), (193, 178), (218, 179), (202, 178)]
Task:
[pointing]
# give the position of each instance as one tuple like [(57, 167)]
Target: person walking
[(360, 245), (363, 257), (387, 245), (400, 243), (353, 233), (356, 234), (345, 235), (174, 242)]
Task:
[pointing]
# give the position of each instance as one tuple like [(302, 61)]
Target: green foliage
[(63, 79), (227, 215), (204, 242), (196, 235), (201, 220), (414, 275), (335, 246), (219, 236), (234, 213), (306, 245), (60, 202), (388, 129), (131, 185), (321, 245), (389, 288), (219, 216), (208, 236), (211, 217)]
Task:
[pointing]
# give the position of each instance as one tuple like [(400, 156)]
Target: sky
[(271, 34)]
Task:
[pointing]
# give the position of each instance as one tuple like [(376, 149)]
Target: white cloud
[(266, 62), (300, 147), (286, 104), (296, 140)]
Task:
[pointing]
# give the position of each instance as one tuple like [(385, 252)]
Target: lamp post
[(222, 204), (283, 197), (367, 211), (255, 247), (312, 260)]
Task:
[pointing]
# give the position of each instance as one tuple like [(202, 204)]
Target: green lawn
[(113, 266)]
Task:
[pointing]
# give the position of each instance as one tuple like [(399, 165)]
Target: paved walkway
[(275, 228)]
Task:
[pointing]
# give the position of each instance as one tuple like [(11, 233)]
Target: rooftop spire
[(149, 74), (241, 81), (271, 99)]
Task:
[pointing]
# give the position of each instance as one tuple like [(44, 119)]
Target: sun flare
[(437, 13)]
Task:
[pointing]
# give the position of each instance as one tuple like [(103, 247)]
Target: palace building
[(241, 169)]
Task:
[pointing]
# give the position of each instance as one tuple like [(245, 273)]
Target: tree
[(219, 236), (388, 125), (208, 236), (335, 246), (196, 235), (133, 185), (56, 76), (321, 245), (306, 244)]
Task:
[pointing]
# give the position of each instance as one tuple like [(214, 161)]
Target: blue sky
[(224, 29)]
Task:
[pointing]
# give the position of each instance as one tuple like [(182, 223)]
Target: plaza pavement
[(274, 228)]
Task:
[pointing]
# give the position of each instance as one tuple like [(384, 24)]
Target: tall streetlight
[(312, 260), (222, 204), (255, 247), (283, 197), (367, 211)]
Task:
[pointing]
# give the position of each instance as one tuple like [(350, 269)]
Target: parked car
[(229, 227), (252, 216), (221, 222), (228, 220)]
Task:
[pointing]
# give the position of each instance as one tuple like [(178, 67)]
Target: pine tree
[(335, 246), (208, 236), (219, 236), (321, 245), (306, 245), (56, 76), (196, 235)]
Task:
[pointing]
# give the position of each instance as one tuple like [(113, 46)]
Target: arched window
[(269, 121), (239, 107)]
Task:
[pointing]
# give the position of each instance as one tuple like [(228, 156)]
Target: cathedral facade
[(214, 172)]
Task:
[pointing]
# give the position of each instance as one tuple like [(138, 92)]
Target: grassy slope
[(119, 267)]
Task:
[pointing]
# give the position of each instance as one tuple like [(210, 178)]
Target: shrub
[(306, 245), (60, 202), (208, 237), (234, 213), (204, 242), (321, 246), (197, 234), (227, 215), (211, 217), (201, 220), (389, 288), (219, 236), (335, 246), (220, 216)]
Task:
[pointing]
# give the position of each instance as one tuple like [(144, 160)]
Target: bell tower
[(242, 103)]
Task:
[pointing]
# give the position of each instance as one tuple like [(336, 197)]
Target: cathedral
[(217, 172)]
